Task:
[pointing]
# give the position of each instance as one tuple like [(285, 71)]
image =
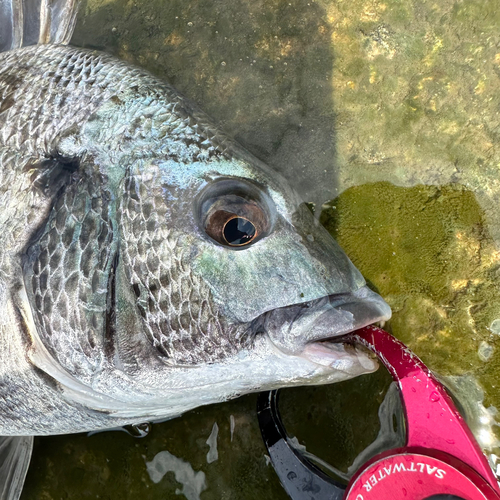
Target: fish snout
[(295, 327)]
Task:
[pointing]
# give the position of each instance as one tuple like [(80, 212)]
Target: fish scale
[(67, 261), (23, 208), (51, 88)]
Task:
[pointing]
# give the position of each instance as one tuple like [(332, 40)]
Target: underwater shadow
[(262, 70)]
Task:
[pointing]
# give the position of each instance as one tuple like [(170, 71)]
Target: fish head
[(230, 268), (215, 278)]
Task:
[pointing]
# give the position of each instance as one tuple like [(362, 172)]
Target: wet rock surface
[(390, 110)]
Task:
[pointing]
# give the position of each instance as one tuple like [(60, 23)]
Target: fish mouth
[(313, 329)]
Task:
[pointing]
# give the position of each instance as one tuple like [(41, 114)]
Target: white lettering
[(380, 475), (360, 497), (373, 479), (421, 467), (431, 470), (399, 468), (388, 470), (367, 486), (412, 468), (440, 473)]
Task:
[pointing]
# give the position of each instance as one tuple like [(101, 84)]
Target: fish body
[(116, 302), (148, 263)]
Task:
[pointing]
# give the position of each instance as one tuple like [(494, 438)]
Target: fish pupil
[(238, 231)]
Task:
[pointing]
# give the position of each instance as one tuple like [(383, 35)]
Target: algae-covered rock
[(428, 252)]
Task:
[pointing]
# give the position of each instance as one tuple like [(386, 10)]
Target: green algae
[(415, 84), (428, 251)]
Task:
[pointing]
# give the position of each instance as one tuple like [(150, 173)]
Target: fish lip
[(337, 354), (310, 328)]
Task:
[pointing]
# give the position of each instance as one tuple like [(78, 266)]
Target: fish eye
[(235, 213)]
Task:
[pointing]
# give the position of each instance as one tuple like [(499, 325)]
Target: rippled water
[(388, 112)]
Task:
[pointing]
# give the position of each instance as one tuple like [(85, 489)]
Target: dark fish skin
[(115, 305)]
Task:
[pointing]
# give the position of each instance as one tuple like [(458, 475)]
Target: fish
[(149, 264)]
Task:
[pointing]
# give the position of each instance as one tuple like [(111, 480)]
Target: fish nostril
[(137, 290)]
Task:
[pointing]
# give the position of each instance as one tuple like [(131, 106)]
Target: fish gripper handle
[(441, 459)]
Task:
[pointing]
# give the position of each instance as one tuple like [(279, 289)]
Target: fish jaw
[(339, 357), (168, 391), (298, 329)]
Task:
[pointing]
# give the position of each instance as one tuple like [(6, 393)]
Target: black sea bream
[(148, 263)]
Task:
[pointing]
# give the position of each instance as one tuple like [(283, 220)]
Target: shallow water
[(388, 111)]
